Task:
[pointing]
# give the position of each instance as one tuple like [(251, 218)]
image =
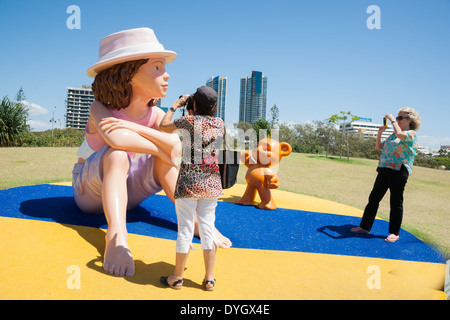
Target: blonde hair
[(413, 116)]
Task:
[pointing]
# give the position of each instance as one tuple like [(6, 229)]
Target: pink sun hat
[(129, 45)]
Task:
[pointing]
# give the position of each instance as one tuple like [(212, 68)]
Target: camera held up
[(189, 105)]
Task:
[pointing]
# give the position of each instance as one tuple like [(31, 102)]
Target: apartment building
[(77, 106), (367, 128)]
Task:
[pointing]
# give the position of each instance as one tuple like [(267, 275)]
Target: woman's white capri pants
[(206, 213)]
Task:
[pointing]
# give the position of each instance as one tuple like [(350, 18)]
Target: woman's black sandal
[(209, 282), (174, 285)]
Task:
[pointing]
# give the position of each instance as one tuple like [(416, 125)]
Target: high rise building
[(78, 103), (219, 84), (253, 98), (158, 104)]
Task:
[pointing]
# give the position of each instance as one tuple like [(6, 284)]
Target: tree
[(243, 125), (274, 113), (331, 123), (344, 116), (444, 153), (287, 134), (262, 124), (20, 96), (13, 122)]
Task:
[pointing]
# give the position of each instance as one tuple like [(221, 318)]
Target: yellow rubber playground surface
[(302, 250)]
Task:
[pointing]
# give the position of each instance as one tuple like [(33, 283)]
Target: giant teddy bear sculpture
[(260, 176)]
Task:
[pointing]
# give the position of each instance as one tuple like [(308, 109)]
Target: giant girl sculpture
[(125, 158)]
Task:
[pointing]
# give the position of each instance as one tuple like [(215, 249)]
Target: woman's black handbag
[(228, 165)]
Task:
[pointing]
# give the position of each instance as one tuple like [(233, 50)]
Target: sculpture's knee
[(117, 159)]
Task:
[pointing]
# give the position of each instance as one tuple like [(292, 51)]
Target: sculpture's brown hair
[(112, 86)]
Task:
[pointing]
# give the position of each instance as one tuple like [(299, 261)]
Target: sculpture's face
[(151, 80), (269, 152)]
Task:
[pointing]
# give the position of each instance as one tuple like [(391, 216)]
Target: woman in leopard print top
[(199, 184), (199, 175)]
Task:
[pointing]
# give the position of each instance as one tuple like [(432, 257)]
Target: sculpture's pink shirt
[(96, 141)]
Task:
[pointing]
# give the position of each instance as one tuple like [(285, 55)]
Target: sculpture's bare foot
[(224, 242), (267, 206), (245, 202), (118, 259)]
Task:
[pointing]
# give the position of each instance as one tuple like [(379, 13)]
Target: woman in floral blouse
[(199, 184), (394, 168)]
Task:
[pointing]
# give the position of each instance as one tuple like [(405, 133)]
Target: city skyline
[(253, 97), (321, 56)]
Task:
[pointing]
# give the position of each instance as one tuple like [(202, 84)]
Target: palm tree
[(13, 122)]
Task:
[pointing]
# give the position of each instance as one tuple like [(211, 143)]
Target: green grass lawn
[(426, 207)]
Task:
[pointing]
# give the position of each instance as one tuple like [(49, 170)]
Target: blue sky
[(319, 56)]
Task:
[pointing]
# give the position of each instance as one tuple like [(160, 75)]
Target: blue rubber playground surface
[(310, 239)]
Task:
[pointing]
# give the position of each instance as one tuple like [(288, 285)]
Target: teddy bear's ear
[(286, 149)]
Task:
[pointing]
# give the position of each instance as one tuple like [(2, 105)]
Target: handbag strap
[(224, 155), (224, 144)]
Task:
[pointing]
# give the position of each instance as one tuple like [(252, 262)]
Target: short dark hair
[(204, 110), (205, 101)]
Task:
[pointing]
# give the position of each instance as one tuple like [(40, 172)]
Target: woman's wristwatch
[(172, 109)]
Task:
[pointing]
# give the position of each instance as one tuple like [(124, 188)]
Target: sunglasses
[(401, 118)]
